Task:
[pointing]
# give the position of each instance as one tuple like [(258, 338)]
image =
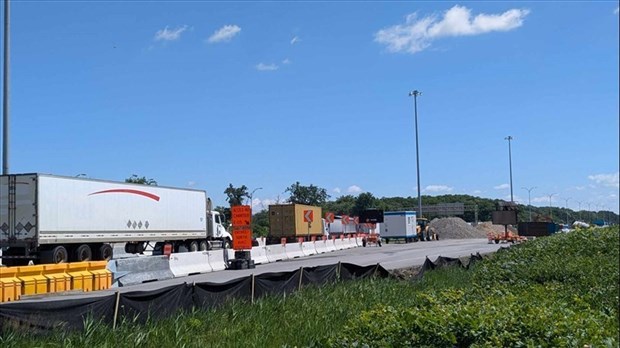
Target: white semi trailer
[(55, 219)]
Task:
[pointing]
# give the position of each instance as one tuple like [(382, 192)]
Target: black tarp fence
[(140, 306)]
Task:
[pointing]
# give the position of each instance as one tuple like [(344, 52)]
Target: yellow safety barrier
[(57, 277), (102, 278), (33, 280), (81, 278), (10, 285)]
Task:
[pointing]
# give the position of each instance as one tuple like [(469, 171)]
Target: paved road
[(390, 256)]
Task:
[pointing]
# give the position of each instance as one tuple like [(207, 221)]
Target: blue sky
[(264, 94)]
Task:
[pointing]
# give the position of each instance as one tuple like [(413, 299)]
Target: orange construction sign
[(242, 239), (241, 216), (329, 217)]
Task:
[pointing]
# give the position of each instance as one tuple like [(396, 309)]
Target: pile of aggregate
[(487, 227), (455, 228)]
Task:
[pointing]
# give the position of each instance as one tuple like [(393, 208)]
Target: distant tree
[(343, 205), (310, 195), (260, 224), (236, 195), (362, 202), (134, 179)]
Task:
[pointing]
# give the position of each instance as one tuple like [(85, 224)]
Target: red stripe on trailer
[(130, 191)]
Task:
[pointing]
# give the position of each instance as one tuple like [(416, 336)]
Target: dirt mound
[(486, 227), (455, 228)]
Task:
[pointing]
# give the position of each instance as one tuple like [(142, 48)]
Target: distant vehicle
[(54, 219)]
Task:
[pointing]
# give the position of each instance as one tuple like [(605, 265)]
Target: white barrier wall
[(184, 264), (307, 248), (276, 252), (216, 259), (294, 250), (329, 245), (259, 255), (320, 246), (338, 244)]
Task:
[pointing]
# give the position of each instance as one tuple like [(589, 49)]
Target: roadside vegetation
[(559, 291)]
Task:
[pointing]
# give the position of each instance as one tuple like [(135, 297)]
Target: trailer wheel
[(193, 246), (105, 252), (83, 253), (204, 246), (58, 254)]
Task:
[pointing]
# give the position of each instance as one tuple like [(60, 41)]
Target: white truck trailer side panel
[(75, 210), (19, 223), (399, 224)]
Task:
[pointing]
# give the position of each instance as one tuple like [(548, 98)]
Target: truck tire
[(226, 244), (104, 252), (193, 246), (83, 253), (58, 254), (204, 246)]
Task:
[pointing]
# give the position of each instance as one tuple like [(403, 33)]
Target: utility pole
[(529, 199), (509, 138), (415, 95), (5, 93)]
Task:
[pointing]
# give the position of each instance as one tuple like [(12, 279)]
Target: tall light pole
[(415, 95), (567, 199), (509, 138), (5, 93), (529, 198), (252, 196), (550, 213)]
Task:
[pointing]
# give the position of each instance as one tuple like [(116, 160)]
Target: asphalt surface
[(390, 256)]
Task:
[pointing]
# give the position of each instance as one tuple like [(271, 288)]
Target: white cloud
[(609, 180), (502, 187), (295, 40), (437, 188), (286, 61), (418, 34), (476, 192), (266, 67), (225, 33), (580, 188), (354, 189), (542, 199), (169, 34), (191, 184), (336, 190)]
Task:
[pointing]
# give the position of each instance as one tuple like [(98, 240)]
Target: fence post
[(301, 276), (118, 300), (374, 273), (252, 288), (338, 271)]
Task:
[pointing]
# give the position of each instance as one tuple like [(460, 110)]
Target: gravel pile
[(455, 228), (486, 227)]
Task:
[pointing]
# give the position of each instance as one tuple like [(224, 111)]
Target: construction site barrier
[(102, 277), (138, 270), (293, 250), (81, 278), (320, 246), (33, 280), (329, 245), (259, 255), (307, 248), (184, 264), (57, 277), (10, 285), (276, 252), (217, 260), (346, 243), (338, 244)]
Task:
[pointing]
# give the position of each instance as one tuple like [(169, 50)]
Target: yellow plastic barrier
[(81, 279), (102, 278), (33, 280), (57, 278), (10, 285)]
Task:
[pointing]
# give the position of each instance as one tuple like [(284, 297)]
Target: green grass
[(556, 291)]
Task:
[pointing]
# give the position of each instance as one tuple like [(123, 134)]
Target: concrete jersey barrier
[(259, 255), (184, 264), (293, 250), (307, 248), (276, 252), (138, 270)]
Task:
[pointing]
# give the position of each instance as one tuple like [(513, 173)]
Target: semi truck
[(293, 221), (54, 219)]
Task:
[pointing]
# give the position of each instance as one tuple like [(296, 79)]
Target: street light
[(550, 213), (415, 95), (566, 199), (252, 195), (509, 138), (529, 199)]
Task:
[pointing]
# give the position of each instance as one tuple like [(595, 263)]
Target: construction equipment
[(424, 231)]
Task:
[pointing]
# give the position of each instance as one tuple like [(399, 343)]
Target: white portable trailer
[(399, 225), (57, 219)]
